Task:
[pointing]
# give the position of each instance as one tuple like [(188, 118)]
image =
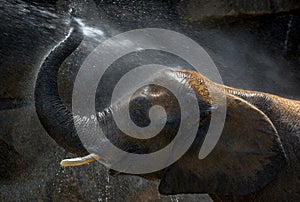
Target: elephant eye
[(139, 111)]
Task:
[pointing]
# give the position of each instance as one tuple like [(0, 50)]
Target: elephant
[(257, 157)]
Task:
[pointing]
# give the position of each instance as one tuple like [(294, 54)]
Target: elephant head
[(248, 156)]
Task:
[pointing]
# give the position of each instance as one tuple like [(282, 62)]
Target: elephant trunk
[(54, 116)]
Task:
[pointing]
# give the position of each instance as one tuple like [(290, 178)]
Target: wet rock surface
[(199, 10), (257, 53)]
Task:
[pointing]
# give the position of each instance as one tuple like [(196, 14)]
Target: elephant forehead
[(153, 93), (199, 84)]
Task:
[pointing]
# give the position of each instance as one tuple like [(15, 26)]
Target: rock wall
[(199, 10)]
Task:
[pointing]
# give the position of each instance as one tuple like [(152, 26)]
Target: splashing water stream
[(287, 33)]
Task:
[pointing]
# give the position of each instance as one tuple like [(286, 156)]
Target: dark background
[(255, 46)]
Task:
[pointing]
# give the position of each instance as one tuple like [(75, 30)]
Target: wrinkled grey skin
[(256, 158)]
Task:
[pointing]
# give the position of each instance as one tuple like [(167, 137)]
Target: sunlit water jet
[(287, 33)]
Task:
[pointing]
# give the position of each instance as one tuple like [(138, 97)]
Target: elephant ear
[(248, 156)]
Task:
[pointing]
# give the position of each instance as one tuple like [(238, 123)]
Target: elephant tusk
[(80, 160)]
